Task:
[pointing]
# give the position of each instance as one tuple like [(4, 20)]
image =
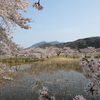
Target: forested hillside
[(78, 44)]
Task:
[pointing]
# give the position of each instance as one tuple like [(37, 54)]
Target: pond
[(63, 82)]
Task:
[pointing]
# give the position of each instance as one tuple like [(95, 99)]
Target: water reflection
[(63, 82)]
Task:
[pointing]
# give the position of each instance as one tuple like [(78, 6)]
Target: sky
[(60, 20)]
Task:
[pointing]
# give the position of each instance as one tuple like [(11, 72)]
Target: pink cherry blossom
[(79, 97)]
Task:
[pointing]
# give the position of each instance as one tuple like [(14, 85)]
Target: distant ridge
[(44, 42)]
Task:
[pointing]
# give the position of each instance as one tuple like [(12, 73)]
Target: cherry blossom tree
[(67, 50), (98, 52), (58, 51), (88, 50), (10, 18)]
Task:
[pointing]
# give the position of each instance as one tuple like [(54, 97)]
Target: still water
[(63, 83)]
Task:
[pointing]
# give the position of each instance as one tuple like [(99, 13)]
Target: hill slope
[(82, 43)]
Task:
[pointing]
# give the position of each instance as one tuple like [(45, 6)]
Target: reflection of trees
[(37, 68), (52, 66), (6, 76), (7, 73), (57, 87)]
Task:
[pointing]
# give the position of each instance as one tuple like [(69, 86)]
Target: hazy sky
[(61, 20)]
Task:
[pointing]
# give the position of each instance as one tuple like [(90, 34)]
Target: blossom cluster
[(10, 15), (91, 70), (43, 94), (92, 89), (79, 97), (37, 5)]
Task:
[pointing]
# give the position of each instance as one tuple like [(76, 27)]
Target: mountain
[(54, 42), (44, 42), (37, 44)]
